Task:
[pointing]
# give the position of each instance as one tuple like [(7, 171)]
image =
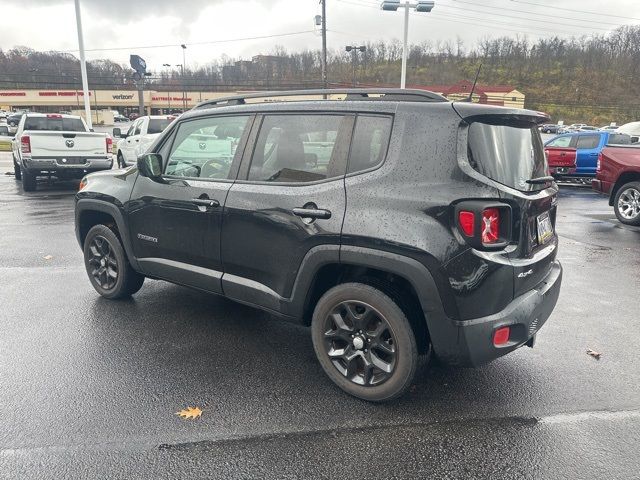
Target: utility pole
[(83, 67), (324, 43)]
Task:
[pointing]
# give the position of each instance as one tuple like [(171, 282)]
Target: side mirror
[(117, 132), (150, 165)]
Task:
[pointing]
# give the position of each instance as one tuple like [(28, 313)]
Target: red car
[(561, 157), (618, 175)]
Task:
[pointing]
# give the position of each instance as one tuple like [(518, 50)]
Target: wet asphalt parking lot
[(89, 387)]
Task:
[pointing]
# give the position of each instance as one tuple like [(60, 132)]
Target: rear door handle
[(205, 202), (312, 213)]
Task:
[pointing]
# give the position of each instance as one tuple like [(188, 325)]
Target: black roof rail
[(379, 94)]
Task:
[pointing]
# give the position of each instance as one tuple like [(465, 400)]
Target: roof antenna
[(475, 82)]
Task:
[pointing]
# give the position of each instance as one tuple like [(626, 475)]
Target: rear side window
[(300, 148), (54, 124), (370, 142), (510, 155), (157, 125), (588, 141)]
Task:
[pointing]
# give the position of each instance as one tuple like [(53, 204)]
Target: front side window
[(588, 141), (206, 148), (132, 128), (300, 148), (157, 125), (370, 141), (560, 142), (138, 127)]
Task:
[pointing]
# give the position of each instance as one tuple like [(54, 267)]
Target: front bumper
[(525, 315)]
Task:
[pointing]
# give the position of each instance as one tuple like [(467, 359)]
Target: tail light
[(483, 224), (25, 144), (109, 144), (599, 164), (490, 226)]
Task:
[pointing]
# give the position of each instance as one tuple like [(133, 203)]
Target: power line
[(171, 45), (599, 14), (528, 12)]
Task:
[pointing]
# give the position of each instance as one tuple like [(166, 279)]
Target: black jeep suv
[(395, 223)]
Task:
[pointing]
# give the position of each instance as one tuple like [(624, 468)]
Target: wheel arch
[(407, 277), (623, 179), (94, 212)]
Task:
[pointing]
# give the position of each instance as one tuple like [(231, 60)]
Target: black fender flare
[(442, 330), (87, 204)]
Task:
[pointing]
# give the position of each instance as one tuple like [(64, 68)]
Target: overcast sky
[(125, 26)]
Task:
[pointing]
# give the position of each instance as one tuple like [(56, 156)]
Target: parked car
[(390, 240), (549, 128), (14, 119), (610, 128), (58, 146), (3, 114), (618, 176), (139, 137), (575, 154), (588, 128), (133, 116), (632, 129), (120, 118)]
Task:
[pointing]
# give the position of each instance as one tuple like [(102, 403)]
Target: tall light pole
[(419, 6), (354, 59), (324, 43), (182, 76), (83, 67), (184, 87), (168, 91)]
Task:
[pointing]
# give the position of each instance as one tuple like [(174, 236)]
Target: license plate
[(545, 229)]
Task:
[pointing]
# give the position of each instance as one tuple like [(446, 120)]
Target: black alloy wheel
[(103, 263), (360, 343), (364, 341), (107, 265)]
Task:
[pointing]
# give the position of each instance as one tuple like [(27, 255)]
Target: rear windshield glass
[(157, 125), (55, 124), (510, 155)]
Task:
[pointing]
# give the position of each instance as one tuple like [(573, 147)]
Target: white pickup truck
[(141, 134), (59, 146)]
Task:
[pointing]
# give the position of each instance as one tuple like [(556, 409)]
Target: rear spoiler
[(477, 112)]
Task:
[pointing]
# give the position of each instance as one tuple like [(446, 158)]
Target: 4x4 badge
[(525, 274)]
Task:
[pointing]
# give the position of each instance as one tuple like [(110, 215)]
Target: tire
[(103, 248), (121, 163), (16, 169), (627, 204), (29, 183), (384, 338)]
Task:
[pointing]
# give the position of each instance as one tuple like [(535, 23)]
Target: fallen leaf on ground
[(190, 412), (48, 257), (594, 354)]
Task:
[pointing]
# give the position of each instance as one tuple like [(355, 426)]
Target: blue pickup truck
[(584, 147)]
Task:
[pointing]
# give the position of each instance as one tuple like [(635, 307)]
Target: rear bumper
[(525, 315), (53, 165)]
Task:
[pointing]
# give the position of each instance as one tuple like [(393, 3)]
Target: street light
[(168, 92), (424, 6), (354, 51), (184, 88)]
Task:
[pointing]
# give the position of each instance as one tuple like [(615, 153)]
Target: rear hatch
[(505, 150)]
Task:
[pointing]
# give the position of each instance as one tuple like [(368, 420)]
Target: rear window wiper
[(534, 181)]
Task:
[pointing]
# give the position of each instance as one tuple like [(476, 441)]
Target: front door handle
[(312, 213), (205, 202)]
